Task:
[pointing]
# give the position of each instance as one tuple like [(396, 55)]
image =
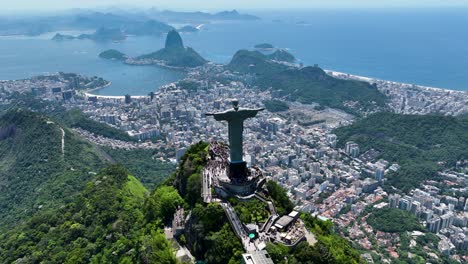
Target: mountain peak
[(174, 40)]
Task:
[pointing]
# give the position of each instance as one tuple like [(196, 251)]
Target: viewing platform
[(217, 176)]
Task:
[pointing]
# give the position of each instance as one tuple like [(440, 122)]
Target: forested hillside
[(105, 223), (38, 170), (309, 84), (421, 144)]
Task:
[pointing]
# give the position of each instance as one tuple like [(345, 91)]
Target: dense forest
[(280, 198), (35, 174), (142, 164), (420, 144), (106, 223)]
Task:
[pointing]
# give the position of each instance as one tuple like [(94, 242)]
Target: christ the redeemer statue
[(235, 118)]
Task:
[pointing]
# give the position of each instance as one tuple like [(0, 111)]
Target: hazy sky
[(41, 5)]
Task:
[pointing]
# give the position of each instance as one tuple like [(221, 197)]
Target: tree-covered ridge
[(280, 198), (419, 143), (141, 163), (35, 173), (210, 237), (73, 118), (188, 177), (282, 55), (76, 119), (113, 54), (208, 234), (245, 61), (307, 85), (104, 224)]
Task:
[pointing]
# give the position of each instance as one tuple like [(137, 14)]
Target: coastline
[(109, 83), (114, 96), (152, 62), (343, 75), (336, 74)]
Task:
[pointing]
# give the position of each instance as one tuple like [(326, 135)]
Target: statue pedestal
[(238, 170)]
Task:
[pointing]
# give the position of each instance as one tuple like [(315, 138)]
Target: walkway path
[(63, 141)]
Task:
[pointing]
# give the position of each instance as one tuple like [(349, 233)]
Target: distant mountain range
[(102, 34), (187, 17), (149, 22)]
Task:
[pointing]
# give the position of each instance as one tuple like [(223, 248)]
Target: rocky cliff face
[(174, 41)]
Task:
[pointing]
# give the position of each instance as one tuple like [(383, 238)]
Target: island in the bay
[(102, 34)]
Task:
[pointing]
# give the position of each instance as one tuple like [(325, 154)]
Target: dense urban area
[(294, 144)]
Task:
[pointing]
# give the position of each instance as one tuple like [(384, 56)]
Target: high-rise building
[(426, 215), (452, 200), (434, 225), (393, 200), (404, 204), (352, 149), (311, 182), (331, 139), (415, 207), (315, 168), (128, 98), (379, 174), (324, 186), (446, 220)]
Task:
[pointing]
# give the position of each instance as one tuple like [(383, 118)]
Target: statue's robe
[(235, 119)]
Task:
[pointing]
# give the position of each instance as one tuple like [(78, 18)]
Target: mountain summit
[(174, 54), (174, 41)]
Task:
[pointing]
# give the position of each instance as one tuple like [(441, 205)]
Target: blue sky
[(41, 5)]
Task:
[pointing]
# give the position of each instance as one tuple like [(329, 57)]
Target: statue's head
[(235, 104)]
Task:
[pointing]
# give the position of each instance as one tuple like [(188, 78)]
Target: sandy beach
[(375, 80)]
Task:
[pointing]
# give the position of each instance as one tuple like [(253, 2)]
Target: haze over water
[(427, 47)]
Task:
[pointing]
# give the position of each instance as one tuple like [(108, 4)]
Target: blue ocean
[(427, 47)]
